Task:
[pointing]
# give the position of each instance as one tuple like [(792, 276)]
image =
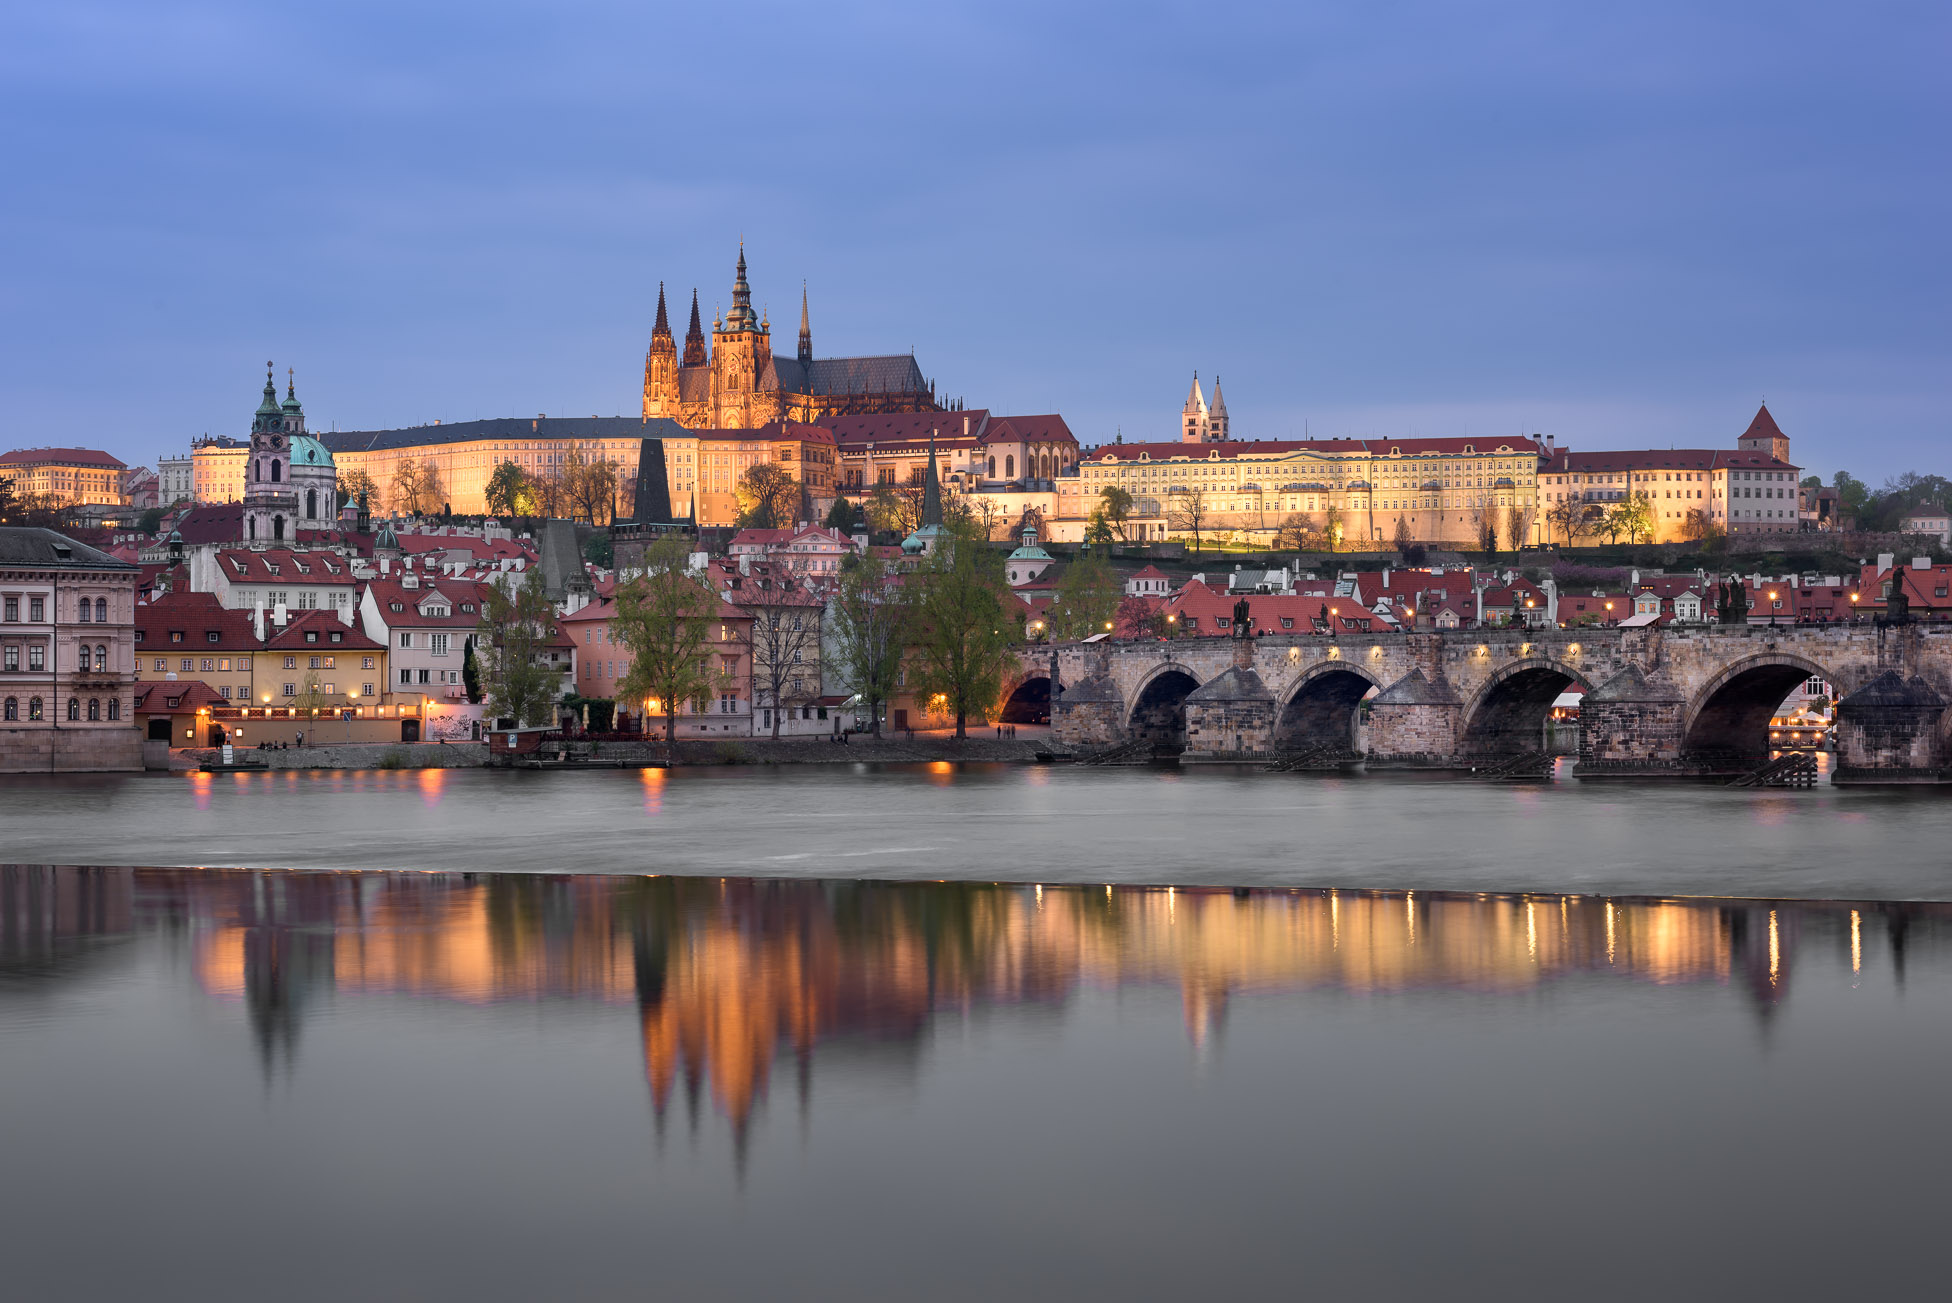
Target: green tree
[(514, 627), (1632, 516), (962, 632), (841, 516), (1853, 495), (1087, 598), (508, 490), (599, 550), (1116, 504), (894, 510), (769, 498), (1333, 529), (355, 483), (470, 672), (1403, 539), (667, 618), (1096, 528), (150, 521), (871, 623)]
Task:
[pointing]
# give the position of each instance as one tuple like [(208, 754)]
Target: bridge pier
[(1090, 712), (1631, 726), (1417, 723), (1231, 716), (1888, 732)]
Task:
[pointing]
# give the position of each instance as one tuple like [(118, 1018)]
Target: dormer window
[(337, 636), (210, 635), (395, 606), (176, 635), (468, 607)]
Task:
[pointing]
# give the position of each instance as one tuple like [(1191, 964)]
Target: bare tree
[(785, 640), (1518, 526), (1187, 514), (589, 483)]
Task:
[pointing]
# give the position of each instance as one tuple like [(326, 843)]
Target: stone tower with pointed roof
[(1193, 417), (1765, 436), (1217, 420), (740, 383)]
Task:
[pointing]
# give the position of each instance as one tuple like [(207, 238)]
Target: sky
[(1622, 225)]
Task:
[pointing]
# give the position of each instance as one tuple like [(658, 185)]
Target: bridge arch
[(1320, 709), (1159, 707), (1507, 716), (1027, 701), (1729, 716)]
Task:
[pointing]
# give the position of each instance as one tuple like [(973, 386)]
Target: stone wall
[(44, 750)]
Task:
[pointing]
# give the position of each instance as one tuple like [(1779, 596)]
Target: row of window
[(36, 610), (35, 710), (36, 657), (430, 676)]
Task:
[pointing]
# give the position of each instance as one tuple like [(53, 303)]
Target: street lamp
[(1772, 608), (351, 711)]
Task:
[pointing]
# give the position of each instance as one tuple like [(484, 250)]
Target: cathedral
[(290, 482), (742, 384)]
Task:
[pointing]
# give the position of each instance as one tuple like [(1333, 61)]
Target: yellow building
[(66, 476), (1442, 488)]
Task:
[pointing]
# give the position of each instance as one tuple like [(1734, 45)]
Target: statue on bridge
[(1732, 602), (1897, 607), (1243, 621)]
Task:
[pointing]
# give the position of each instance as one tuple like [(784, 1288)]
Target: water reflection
[(725, 977)]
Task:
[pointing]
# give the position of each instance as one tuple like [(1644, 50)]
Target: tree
[(1187, 514), (1518, 526), (1116, 504), (1484, 528), (514, 627), (1853, 495), (985, 512), (962, 649), (599, 550), (871, 622), (508, 490), (356, 484), (785, 642), (470, 671), (769, 497), (1138, 617), (41, 510), (1087, 598), (893, 510), (1333, 528), (665, 617), (589, 481), (1403, 539), (417, 486), (150, 521), (841, 516), (1296, 534), (1096, 528), (1633, 516), (1568, 517)]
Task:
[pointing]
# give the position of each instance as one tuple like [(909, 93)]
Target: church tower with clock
[(290, 482)]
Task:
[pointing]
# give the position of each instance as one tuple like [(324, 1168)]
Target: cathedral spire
[(663, 326), (932, 491), (740, 317), (806, 331), (695, 337), (269, 414)]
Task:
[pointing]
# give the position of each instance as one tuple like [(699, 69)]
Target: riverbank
[(921, 749)]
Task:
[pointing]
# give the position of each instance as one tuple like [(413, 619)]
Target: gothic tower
[(1217, 419), (661, 366), (741, 349), (695, 337), (806, 331)]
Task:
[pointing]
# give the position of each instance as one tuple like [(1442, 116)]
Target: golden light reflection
[(652, 780), (728, 975), (200, 788), (432, 782)]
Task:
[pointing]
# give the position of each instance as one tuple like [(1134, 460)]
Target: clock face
[(276, 442)]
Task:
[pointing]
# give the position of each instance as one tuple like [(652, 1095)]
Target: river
[(1220, 826)]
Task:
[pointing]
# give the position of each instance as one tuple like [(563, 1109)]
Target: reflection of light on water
[(1609, 931), (432, 781), (1334, 921), (941, 772), (1531, 931), (1410, 912), (200, 788), (1040, 895), (1856, 942), (1775, 948), (653, 784)]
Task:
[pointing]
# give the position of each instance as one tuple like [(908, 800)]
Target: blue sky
[(1623, 225)]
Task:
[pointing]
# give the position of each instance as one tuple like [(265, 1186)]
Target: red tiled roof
[(195, 616), (154, 696), (907, 429), (458, 592), (245, 566), (326, 624), (1763, 426), (1048, 428), (1208, 605), (1565, 461), (59, 457)]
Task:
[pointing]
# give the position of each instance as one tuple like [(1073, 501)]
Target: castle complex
[(741, 384)]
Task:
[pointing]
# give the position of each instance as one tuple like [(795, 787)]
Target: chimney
[(281, 616), (1884, 560), (1921, 563), (257, 621)]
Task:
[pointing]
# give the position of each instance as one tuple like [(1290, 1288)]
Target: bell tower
[(741, 347)]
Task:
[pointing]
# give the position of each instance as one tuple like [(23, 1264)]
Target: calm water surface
[(228, 1084), (1065, 824)]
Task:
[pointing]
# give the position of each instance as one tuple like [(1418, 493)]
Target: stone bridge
[(1664, 701)]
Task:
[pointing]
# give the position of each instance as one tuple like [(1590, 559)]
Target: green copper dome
[(307, 451)]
